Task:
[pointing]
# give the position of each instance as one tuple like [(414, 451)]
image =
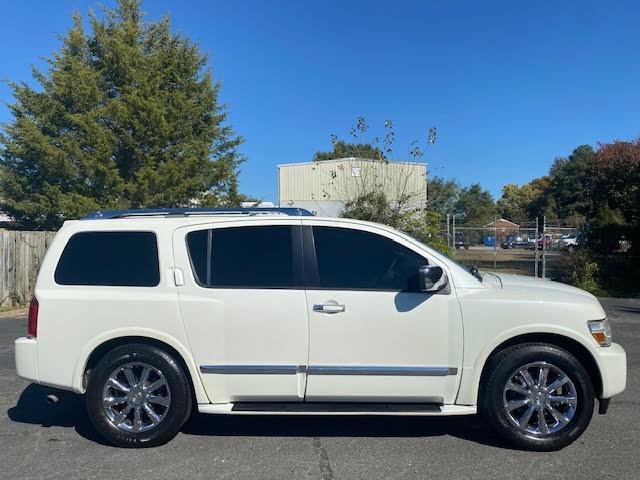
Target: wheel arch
[(569, 344), (99, 348)]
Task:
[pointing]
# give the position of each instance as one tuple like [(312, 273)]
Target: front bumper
[(27, 358), (612, 362)]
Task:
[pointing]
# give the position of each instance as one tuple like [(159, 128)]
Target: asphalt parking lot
[(38, 440)]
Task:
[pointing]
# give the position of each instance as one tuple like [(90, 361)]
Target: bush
[(424, 225), (583, 271)]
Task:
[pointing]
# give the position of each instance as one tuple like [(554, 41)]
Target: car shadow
[(69, 411), (471, 428)]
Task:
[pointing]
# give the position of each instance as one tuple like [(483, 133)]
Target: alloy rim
[(136, 397), (539, 399)]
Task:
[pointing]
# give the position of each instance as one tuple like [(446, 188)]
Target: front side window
[(126, 259), (248, 257), (359, 260)]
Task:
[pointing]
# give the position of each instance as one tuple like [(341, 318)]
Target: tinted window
[(353, 259), (197, 244), (250, 257), (110, 258)]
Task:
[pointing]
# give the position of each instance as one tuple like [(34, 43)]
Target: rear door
[(244, 307)]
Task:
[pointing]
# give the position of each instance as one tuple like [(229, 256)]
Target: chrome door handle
[(328, 308)]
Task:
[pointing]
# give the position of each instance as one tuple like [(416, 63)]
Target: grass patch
[(8, 309)]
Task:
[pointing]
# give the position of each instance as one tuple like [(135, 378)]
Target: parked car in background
[(460, 241), (543, 242), (152, 314), (514, 241), (573, 240)]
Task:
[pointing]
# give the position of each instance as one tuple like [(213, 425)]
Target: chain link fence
[(558, 239), (530, 247)]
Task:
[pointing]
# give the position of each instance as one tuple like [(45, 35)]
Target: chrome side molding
[(329, 370), (382, 371), (251, 369)]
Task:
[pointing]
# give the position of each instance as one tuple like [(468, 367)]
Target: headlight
[(601, 331)]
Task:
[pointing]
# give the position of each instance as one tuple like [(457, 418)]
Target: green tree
[(373, 207), (513, 203), (522, 204), (342, 149), (426, 225), (442, 194), (617, 179), (571, 183), (126, 115), (475, 205), (540, 201)]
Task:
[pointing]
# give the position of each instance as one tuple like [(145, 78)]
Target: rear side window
[(248, 257), (126, 259), (198, 245), (358, 260)]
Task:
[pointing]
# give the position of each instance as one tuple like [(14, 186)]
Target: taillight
[(32, 328)]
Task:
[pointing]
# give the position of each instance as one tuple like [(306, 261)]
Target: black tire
[(499, 371), (176, 413)]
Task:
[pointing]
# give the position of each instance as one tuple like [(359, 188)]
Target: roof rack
[(158, 212)]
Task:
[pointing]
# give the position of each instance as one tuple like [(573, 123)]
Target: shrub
[(583, 271), (424, 225)]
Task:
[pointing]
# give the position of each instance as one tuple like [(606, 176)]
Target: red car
[(544, 242)]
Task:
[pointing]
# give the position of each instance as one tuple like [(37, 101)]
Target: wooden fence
[(21, 254)]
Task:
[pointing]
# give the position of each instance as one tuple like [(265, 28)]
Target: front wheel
[(138, 396), (537, 396)]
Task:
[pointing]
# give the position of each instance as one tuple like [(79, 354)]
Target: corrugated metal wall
[(345, 179), (21, 254)]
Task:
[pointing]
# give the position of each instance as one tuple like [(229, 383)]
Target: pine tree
[(126, 116)]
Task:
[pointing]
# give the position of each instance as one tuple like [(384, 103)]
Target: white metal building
[(324, 187)]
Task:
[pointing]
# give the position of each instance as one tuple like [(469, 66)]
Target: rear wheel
[(537, 396), (138, 396)]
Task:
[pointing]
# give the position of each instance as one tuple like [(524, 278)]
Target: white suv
[(155, 313)]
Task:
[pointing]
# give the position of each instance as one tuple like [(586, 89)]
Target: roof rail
[(157, 212)]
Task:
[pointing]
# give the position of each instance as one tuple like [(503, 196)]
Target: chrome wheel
[(136, 397), (539, 399)]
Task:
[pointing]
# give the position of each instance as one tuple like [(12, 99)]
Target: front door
[(373, 335), (244, 308)]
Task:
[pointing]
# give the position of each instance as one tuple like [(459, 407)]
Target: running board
[(317, 408), (327, 407)]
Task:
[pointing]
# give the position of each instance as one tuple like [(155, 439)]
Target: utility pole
[(535, 248), (453, 240), (544, 247), (495, 242), (448, 232)]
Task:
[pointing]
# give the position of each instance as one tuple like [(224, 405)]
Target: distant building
[(503, 226), (257, 204), (325, 187)]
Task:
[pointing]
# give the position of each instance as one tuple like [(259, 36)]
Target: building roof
[(502, 220), (347, 159)]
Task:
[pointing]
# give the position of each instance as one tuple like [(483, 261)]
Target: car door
[(373, 336), (244, 308)]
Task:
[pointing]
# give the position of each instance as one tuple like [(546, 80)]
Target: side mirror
[(432, 278)]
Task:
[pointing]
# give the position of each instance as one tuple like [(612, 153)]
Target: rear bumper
[(27, 358), (612, 362)]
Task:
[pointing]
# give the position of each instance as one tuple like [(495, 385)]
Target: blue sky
[(509, 85)]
